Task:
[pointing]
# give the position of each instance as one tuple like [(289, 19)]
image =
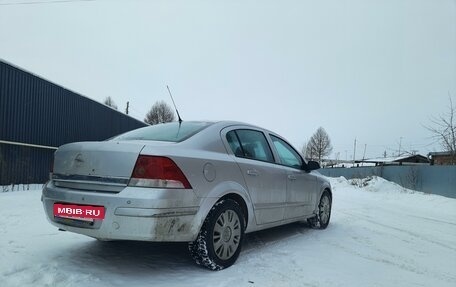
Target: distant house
[(442, 158), (402, 160)]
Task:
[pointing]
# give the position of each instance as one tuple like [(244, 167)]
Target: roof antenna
[(178, 116)]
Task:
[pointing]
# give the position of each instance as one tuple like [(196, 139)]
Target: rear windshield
[(169, 132)]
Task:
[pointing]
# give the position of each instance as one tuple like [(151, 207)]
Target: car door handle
[(253, 172), (292, 177)]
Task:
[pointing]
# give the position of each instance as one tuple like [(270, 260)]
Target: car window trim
[(240, 144), (280, 163), (274, 160)]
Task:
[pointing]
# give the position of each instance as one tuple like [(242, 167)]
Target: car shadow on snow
[(144, 259), (257, 241)]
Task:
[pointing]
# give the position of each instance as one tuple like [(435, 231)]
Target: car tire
[(321, 221), (219, 241)]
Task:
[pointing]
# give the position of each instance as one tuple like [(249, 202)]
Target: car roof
[(228, 123)]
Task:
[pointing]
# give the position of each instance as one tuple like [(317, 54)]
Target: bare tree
[(160, 113), (109, 102), (319, 145), (307, 151), (444, 130), (304, 149)]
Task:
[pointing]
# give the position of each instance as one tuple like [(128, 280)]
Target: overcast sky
[(371, 70)]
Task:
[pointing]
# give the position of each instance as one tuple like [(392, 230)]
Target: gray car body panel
[(97, 173)]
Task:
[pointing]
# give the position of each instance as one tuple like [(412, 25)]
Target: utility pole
[(126, 110), (354, 153)]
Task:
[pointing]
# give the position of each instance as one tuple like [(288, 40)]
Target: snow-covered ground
[(379, 235)]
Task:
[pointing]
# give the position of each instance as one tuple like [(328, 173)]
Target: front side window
[(288, 156), (250, 144)]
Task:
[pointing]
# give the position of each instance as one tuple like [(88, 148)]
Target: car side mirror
[(312, 165)]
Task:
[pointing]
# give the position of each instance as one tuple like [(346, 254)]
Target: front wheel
[(219, 241), (321, 221)]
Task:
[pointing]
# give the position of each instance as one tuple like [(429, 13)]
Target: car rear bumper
[(133, 214)]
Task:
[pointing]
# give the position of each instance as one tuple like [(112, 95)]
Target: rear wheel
[(321, 221), (219, 241)]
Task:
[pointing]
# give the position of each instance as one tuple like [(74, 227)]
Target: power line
[(41, 2)]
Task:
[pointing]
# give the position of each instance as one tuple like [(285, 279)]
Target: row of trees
[(318, 147), (443, 128)]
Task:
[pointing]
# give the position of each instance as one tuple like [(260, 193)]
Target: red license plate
[(79, 211)]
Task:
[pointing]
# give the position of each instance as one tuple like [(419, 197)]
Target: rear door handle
[(253, 172), (292, 177)]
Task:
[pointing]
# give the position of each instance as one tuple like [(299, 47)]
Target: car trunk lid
[(98, 166)]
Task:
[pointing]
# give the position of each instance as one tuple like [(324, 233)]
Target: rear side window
[(249, 144), (169, 132)]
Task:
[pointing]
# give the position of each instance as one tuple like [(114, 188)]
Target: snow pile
[(20, 187), (379, 235), (371, 183)]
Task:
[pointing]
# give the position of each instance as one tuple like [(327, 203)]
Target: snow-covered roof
[(440, 153), (396, 159)]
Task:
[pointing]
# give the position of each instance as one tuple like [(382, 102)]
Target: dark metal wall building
[(42, 115)]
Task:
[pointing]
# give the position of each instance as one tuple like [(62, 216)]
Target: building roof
[(440, 153), (415, 158)]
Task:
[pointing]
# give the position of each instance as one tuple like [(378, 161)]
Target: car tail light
[(158, 172)]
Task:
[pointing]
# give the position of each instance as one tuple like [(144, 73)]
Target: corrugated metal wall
[(36, 111)]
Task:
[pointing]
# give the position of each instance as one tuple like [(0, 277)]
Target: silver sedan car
[(206, 183)]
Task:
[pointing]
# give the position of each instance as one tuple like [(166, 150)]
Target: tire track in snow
[(433, 220), (273, 237), (405, 263), (46, 274), (413, 234), (403, 266)]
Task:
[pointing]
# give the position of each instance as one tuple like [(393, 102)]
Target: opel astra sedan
[(205, 183)]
